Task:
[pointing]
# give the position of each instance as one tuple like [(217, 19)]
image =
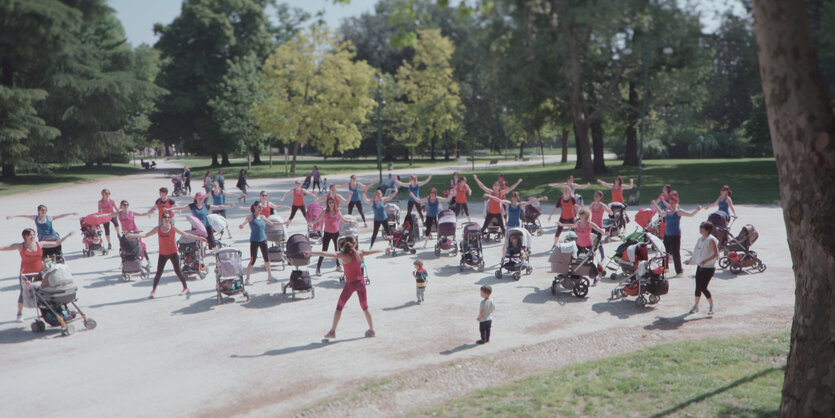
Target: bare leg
[(367, 318), (249, 270), (337, 315)]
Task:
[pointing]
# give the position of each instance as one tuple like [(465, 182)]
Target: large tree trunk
[(225, 159), (521, 150), (214, 160), (295, 153), (630, 157), (256, 157), (9, 171), (564, 158), (597, 143), (802, 130), (432, 149)]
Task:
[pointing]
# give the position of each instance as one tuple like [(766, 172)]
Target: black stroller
[(446, 233), (513, 261), (738, 252), (472, 253), (648, 282), (404, 238), (229, 274), (179, 190), (297, 246), (131, 253), (275, 235), (573, 272), (530, 218), (615, 224)]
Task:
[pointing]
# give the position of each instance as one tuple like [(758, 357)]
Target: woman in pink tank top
[(354, 282), (332, 216), (584, 228)]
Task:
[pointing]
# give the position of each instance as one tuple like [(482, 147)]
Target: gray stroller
[(300, 281), (229, 274), (275, 236), (52, 299)]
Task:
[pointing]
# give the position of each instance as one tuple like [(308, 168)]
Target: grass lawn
[(28, 182), (753, 180), (741, 376)]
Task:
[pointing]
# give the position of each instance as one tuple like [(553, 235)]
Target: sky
[(139, 16)]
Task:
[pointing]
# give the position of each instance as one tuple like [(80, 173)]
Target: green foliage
[(231, 109)]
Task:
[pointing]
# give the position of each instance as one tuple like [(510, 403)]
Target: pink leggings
[(349, 289)]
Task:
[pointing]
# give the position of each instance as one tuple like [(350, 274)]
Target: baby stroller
[(392, 209), (493, 232), (179, 190), (721, 229), (648, 282), (573, 270), (314, 232), (91, 235), (401, 239), (348, 231), (471, 251), (229, 274), (275, 235), (414, 231), (192, 252), (132, 251), (52, 298), (530, 218), (637, 246), (300, 280), (446, 233), (515, 263), (738, 252), (56, 254), (615, 224), (219, 225)]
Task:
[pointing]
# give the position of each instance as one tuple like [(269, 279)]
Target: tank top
[(298, 198), (353, 271), (379, 211), (597, 214), (218, 200), (31, 261), (672, 219), (723, 205), (414, 190), (432, 208), (494, 207), (331, 223), (256, 229), (666, 199), (107, 207), (702, 251), (265, 210), (167, 244), (44, 228), (127, 221), (201, 213), (461, 194), (584, 234), (567, 208), (162, 207), (355, 193), (513, 215), (617, 195)]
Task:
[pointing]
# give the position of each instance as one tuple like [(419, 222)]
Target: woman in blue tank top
[(258, 240), (200, 210), (724, 202), (672, 232), (378, 205), (514, 208), (219, 199), (46, 232), (414, 193), (355, 191), (433, 206)]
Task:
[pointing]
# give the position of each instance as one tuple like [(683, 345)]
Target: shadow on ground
[(289, 350)]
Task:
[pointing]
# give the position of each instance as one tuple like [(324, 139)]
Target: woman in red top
[(106, 205), (494, 209), (168, 250), (568, 213), (31, 259), (354, 282), (298, 200), (332, 216), (617, 188), (462, 190)]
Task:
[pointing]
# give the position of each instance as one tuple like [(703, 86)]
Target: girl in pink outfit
[(106, 205), (332, 216)]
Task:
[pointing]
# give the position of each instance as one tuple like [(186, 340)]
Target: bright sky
[(139, 16)]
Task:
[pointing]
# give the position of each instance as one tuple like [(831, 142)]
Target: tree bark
[(9, 171), (432, 149), (577, 150), (214, 160), (256, 157), (630, 157), (295, 153), (802, 130), (521, 150), (225, 159), (597, 143), (564, 158)]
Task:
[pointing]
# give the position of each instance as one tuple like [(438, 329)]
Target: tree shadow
[(671, 323), (330, 284), (10, 288), (623, 309), (294, 349), (20, 335), (540, 296), (405, 305), (738, 382), (450, 271), (203, 305), (461, 347)]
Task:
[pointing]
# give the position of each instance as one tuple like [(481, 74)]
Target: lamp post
[(380, 103)]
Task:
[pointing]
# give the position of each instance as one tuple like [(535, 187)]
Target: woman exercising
[(43, 224), (332, 216), (433, 206), (414, 189), (724, 202), (298, 200), (354, 188), (258, 240), (617, 188), (378, 206), (106, 205)]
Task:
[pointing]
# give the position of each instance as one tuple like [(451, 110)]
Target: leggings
[(297, 208), (253, 251), (377, 224), (461, 206), (114, 221), (358, 205), (428, 222), (491, 216), (484, 330), (349, 289), (600, 247), (413, 204), (559, 227), (315, 185), (673, 245), (326, 239), (703, 276), (175, 261), (210, 236)]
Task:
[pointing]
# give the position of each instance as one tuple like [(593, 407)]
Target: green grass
[(740, 376), (24, 183), (753, 180)]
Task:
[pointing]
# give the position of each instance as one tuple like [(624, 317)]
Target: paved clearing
[(181, 357)]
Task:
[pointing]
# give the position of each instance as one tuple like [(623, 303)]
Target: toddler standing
[(485, 314), (420, 274)]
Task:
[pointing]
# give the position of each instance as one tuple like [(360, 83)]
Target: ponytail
[(348, 248)]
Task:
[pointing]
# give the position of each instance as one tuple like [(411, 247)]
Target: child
[(485, 314), (420, 275)]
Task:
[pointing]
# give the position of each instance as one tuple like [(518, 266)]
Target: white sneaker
[(248, 283), (695, 309), (271, 279), (339, 269), (19, 317), (711, 311)]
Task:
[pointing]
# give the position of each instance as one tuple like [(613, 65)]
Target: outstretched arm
[(343, 219), (511, 188), (415, 198), (480, 184), (365, 198), (557, 185), (423, 183), (608, 185), (389, 197), (12, 247), (53, 244), (369, 252), (64, 215), (145, 235), (598, 229), (188, 234), (284, 196), (712, 204), (538, 199), (689, 214), (321, 254), (581, 186), (731, 205), (630, 186), (246, 221)]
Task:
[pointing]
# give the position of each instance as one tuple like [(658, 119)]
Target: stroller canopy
[(522, 233), (94, 220), (718, 219), (297, 244), (219, 223), (197, 225), (347, 229), (748, 235), (446, 216), (656, 243), (313, 211), (392, 209), (644, 216)]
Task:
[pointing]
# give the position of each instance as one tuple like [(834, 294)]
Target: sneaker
[(595, 282), (480, 342), (370, 333), (331, 334), (272, 279), (339, 269), (711, 311), (318, 271), (678, 275), (151, 296), (247, 283), (19, 317), (695, 309), (186, 292), (109, 247)]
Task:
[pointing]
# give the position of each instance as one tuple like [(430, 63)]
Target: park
[(680, 115)]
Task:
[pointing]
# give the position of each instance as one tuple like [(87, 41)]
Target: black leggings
[(484, 330), (315, 185), (175, 261), (326, 239), (187, 185), (428, 222), (114, 221), (559, 227), (703, 276), (377, 224), (673, 245), (491, 216), (210, 237), (253, 251), (358, 205), (297, 208), (413, 204), (461, 206)]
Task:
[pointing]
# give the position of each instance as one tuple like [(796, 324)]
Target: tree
[(802, 129), (315, 94), (431, 95)]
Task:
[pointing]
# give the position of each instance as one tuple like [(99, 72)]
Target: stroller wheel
[(461, 267), (312, 292), (90, 324), (724, 263), (342, 279), (653, 299), (641, 301), (554, 287), (499, 273), (736, 268), (69, 330), (412, 250), (615, 294), (613, 277), (38, 326), (437, 251), (581, 288), (761, 267), (517, 275), (481, 266), (529, 270)]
